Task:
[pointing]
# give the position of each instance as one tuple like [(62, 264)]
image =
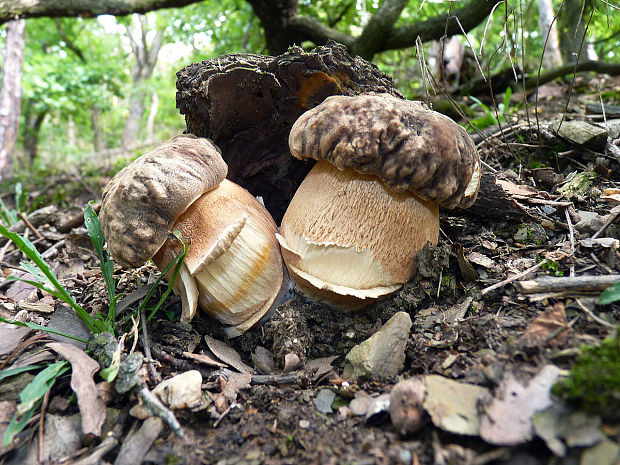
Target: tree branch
[(11, 9), (505, 78), (378, 28), (68, 42), (317, 32), (469, 16)]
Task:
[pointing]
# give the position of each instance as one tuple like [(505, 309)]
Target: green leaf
[(93, 225), (31, 397), (41, 328), (8, 372), (33, 254), (610, 295)]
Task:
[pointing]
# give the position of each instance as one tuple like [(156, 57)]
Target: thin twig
[(30, 226), (607, 224), (571, 232), (46, 400), (506, 281), (147, 350), (594, 317)]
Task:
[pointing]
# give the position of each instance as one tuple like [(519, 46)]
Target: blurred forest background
[(96, 92)]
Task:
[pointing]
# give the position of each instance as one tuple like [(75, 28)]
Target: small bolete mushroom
[(355, 225), (233, 268)]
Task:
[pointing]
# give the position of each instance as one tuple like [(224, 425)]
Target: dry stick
[(594, 317), (147, 350), (607, 224), (503, 283), (46, 400), (571, 232), (574, 284), (30, 226)]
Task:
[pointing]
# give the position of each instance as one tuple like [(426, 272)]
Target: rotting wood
[(272, 92), (574, 284)]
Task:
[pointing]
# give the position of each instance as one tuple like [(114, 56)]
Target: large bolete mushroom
[(353, 229), (233, 268)]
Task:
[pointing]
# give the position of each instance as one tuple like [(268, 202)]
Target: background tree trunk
[(146, 57), (11, 93), (572, 25), (96, 128), (549, 31)]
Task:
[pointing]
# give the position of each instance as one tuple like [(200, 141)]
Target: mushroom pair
[(233, 268), (356, 223)]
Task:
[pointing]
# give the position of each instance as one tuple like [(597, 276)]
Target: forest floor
[(486, 346)]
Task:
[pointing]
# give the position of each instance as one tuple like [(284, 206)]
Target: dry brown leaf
[(518, 189), (227, 354), (83, 368), (507, 420), (546, 329), (612, 195), (202, 358)]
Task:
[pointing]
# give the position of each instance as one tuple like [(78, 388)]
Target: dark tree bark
[(280, 20), (84, 8), (11, 93), (34, 121), (247, 104)]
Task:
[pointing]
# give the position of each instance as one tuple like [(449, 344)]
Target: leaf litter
[(478, 330)]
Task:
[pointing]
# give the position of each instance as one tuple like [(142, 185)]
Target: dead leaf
[(453, 406), (83, 368), (546, 329), (319, 366), (227, 354), (520, 190), (482, 260), (263, 361), (139, 443), (234, 383), (507, 420), (611, 194), (468, 272), (7, 409), (291, 362), (10, 337), (205, 359)]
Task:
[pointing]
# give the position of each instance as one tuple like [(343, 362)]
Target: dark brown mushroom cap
[(407, 145), (142, 202)]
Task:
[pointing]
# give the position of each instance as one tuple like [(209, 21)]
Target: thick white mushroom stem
[(234, 262), (348, 239)]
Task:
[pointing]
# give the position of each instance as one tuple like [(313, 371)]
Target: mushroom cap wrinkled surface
[(143, 201), (407, 145)]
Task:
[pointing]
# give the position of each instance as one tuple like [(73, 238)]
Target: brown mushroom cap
[(407, 145), (142, 202)]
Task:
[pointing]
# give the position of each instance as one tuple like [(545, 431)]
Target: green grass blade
[(31, 397), (35, 326), (8, 372), (93, 225), (177, 262), (33, 254)]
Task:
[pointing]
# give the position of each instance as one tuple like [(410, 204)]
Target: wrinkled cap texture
[(407, 145), (142, 202)]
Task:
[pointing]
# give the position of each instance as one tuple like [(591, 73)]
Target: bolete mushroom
[(233, 268), (353, 229)]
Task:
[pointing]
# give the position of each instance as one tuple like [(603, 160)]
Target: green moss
[(594, 381)]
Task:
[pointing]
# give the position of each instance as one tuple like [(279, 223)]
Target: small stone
[(581, 133), (531, 233), (324, 400), (406, 401), (383, 354), (304, 424)]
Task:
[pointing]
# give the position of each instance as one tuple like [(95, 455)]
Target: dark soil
[(275, 421)]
